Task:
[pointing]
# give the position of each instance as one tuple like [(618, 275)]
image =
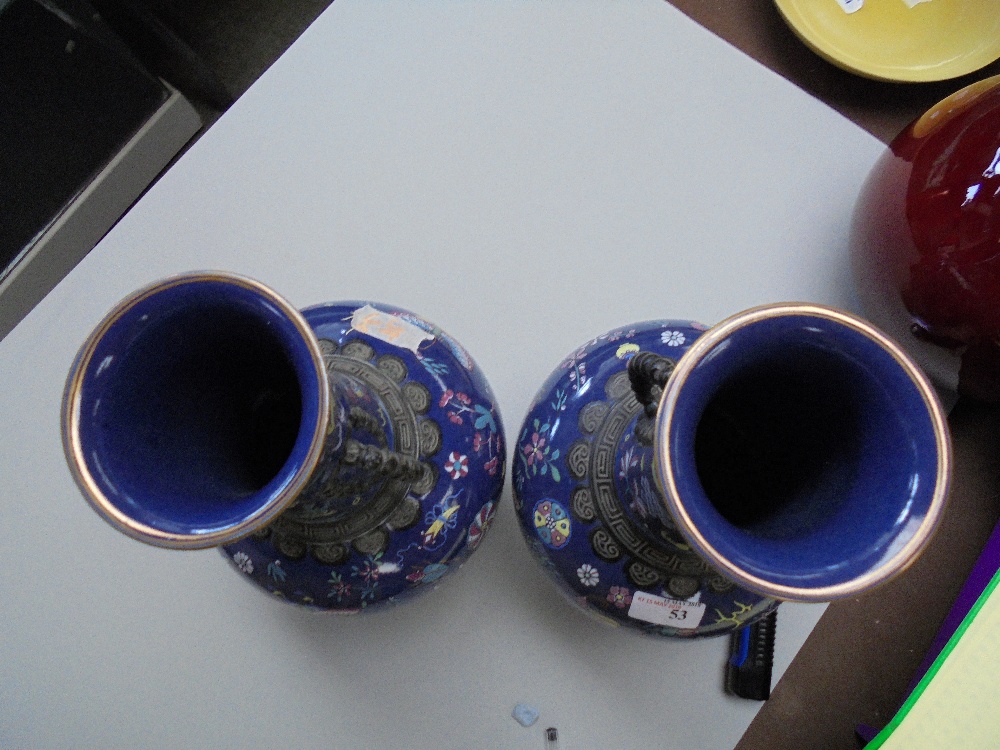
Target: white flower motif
[(588, 575), (243, 562), (457, 465), (672, 338)]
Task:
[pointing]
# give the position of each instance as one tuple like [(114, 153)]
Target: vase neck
[(196, 410), (801, 452), (359, 454), (636, 486)]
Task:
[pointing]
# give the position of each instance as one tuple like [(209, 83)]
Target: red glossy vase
[(926, 241)]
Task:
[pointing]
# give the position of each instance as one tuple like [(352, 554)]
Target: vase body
[(342, 458), (755, 471), (926, 236)]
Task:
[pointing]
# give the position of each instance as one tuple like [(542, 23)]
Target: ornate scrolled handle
[(383, 462), (649, 373)]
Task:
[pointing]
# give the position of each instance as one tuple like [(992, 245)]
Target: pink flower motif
[(571, 360), (492, 465), (341, 590), (534, 451), (454, 418), (463, 398), (477, 442), (446, 397), (620, 596), (457, 465), (368, 571)]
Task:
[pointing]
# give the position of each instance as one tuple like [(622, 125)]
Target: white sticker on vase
[(660, 611), (388, 328), (913, 3), (850, 6)]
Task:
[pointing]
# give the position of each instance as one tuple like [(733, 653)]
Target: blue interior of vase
[(198, 406), (803, 452)]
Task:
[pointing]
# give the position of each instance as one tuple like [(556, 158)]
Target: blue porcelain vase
[(683, 480), (343, 457)]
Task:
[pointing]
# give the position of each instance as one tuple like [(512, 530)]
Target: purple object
[(866, 733), (982, 573)]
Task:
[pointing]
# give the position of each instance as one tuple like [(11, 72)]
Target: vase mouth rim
[(272, 504), (901, 557)]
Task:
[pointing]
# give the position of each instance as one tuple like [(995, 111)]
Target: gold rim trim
[(71, 421), (663, 471)]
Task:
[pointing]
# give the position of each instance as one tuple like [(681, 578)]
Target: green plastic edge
[(914, 696)]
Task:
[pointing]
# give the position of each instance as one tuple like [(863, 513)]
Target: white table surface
[(527, 175)]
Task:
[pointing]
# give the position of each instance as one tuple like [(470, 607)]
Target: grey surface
[(240, 39), (101, 202), (527, 176), (237, 40)]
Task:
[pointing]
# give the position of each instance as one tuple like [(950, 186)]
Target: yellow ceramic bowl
[(889, 40)]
